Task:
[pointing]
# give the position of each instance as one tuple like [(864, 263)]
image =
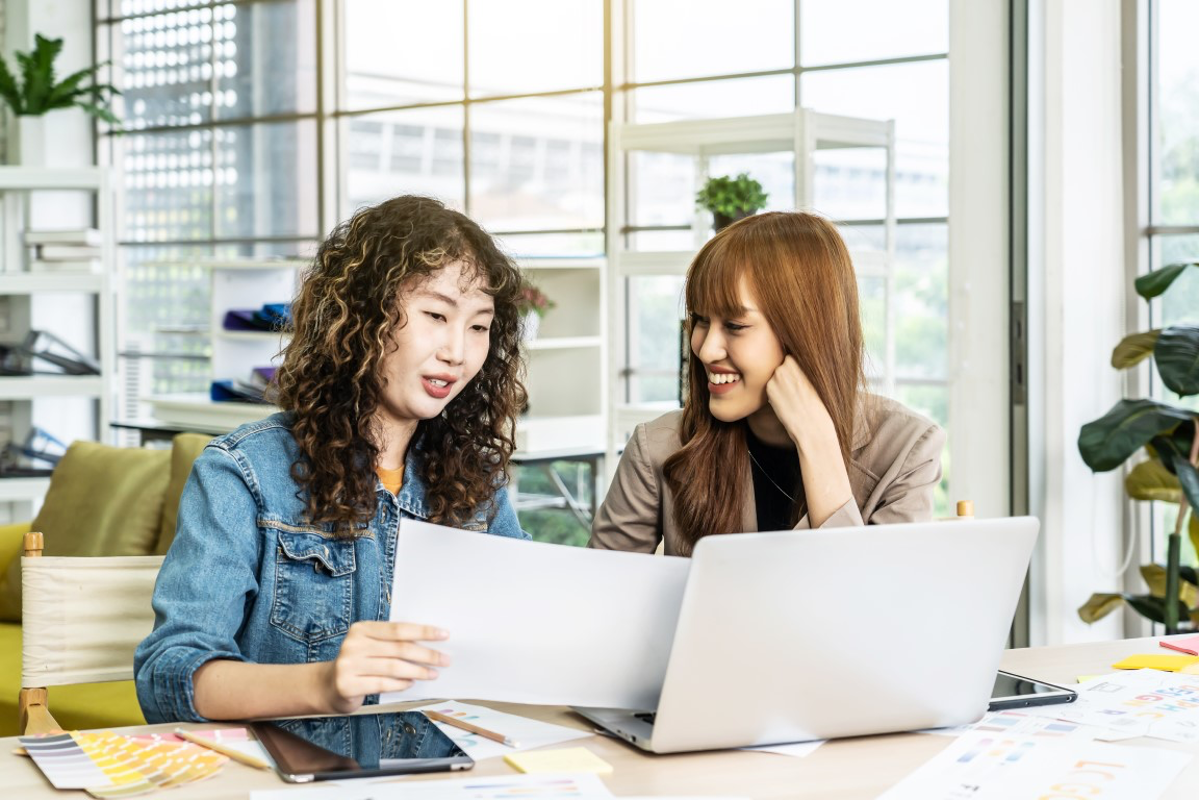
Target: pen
[(224, 750), (466, 726)]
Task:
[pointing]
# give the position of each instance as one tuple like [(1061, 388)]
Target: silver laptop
[(801, 635)]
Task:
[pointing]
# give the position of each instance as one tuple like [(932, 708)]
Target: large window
[(1171, 176), (254, 126)]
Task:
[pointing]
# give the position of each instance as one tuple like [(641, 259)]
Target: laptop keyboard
[(646, 716)]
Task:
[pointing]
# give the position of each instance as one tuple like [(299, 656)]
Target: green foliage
[(1168, 434), (35, 91), (732, 197)]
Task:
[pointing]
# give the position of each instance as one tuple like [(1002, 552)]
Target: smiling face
[(740, 353), (440, 348)]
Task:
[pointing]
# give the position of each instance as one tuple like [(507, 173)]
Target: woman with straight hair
[(399, 390), (777, 430)]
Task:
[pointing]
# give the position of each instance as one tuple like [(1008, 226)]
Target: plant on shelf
[(1168, 473), (37, 91), (533, 305), (730, 199)]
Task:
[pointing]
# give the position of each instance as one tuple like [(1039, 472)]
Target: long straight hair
[(799, 271)]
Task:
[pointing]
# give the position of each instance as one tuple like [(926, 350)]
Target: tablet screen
[(323, 748)]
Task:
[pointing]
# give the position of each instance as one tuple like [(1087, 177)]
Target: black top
[(775, 510)]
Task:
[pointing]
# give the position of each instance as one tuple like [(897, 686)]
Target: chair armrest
[(11, 542)]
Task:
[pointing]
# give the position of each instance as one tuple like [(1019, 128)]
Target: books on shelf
[(89, 237)]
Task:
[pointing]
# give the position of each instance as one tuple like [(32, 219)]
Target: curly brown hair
[(343, 320)]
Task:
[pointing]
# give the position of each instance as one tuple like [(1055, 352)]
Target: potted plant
[(1168, 473), (533, 305), (730, 199), (36, 91)]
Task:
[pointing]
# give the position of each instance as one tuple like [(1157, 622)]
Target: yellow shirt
[(392, 479)]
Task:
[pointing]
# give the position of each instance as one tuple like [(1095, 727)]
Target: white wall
[(1076, 293)]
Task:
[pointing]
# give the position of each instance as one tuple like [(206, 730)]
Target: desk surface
[(834, 772)]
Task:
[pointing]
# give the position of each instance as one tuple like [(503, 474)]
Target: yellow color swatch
[(1147, 661), (567, 759)]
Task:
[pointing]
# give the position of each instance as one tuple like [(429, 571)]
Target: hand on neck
[(767, 428)]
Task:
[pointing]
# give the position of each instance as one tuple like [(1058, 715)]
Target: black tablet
[(329, 748), (1015, 691)]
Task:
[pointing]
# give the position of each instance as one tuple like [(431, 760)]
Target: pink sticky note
[(1187, 645)]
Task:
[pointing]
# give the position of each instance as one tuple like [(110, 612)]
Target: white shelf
[(560, 262), (197, 411), (251, 336), (664, 262), (27, 388), (563, 343), (246, 265), (29, 179), (34, 282), (22, 489), (768, 133)]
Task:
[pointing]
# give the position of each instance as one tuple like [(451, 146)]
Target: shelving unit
[(802, 133), (236, 284), (565, 360), (77, 307)]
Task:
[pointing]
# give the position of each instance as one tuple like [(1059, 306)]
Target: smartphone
[(1016, 691), (361, 746)]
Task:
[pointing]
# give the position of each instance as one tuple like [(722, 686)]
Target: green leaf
[(1155, 576), (1194, 531), (1150, 480), (1134, 349), (1106, 443), (1172, 450), (1188, 574), (1175, 353), (9, 89), (1099, 606), (1153, 608), (1152, 284), (38, 72)]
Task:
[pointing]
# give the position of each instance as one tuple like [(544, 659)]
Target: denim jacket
[(248, 578)]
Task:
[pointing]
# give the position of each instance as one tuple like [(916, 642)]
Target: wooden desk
[(840, 769)]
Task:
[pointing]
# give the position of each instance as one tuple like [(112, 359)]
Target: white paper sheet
[(987, 766), (795, 750), (527, 733), (505, 787), (538, 623)]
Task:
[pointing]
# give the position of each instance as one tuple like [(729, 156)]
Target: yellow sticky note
[(567, 759), (1148, 661)]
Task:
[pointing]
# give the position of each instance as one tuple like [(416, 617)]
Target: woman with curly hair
[(399, 388), (776, 431)]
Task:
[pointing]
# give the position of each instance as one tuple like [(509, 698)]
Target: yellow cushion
[(102, 501), (186, 448), (78, 707), (12, 539)]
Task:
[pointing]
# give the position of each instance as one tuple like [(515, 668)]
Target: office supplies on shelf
[(458, 722), (272, 317), (528, 733), (214, 744), (564, 760), (255, 390), (1187, 645), (41, 348), (35, 457)]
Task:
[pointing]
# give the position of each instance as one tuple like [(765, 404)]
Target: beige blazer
[(895, 461)]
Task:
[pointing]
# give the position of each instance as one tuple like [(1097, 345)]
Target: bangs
[(713, 281)]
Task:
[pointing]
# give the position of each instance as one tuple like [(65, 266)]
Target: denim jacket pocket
[(314, 584)]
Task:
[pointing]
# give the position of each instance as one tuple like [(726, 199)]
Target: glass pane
[(916, 95), (932, 400), (404, 152), (167, 66), (129, 7), (264, 57), (859, 238), (872, 308), (655, 337), (169, 178), (840, 31), (662, 189), (524, 46), (850, 183), (390, 61), (920, 302), (538, 164), (1177, 304), (1178, 97), (730, 98), (710, 37), (266, 180)]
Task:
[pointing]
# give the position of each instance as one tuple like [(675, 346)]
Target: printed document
[(538, 623)]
